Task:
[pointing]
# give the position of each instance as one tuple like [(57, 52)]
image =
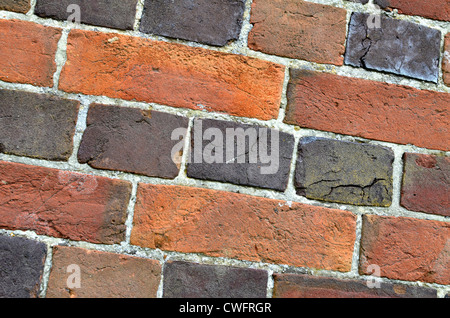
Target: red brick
[(222, 224), (406, 248), (446, 60), (369, 109), (27, 53), (133, 68), (426, 187), (102, 275), (432, 9), (63, 204), (299, 29)]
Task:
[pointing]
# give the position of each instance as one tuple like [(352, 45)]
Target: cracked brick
[(398, 47), (344, 172), (131, 140), (37, 125)]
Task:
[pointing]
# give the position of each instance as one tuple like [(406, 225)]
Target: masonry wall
[(99, 199)]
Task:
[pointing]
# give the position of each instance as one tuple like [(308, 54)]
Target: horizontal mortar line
[(164, 256), (392, 211), (245, 51), (200, 114)]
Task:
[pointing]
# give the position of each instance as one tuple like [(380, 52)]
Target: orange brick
[(222, 224), (133, 68), (27, 52)]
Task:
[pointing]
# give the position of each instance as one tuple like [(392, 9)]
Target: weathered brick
[(397, 46), (21, 6), (63, 204), (426, 187), (303, 286), (33, 48), (311, 31), (406, 248), (369, 109), (117, 14), (256, 156), (344, 172), (37, 125), (140, 69), (432, 9), (359, 1), (21, 267), (446, 60), (222, 224), (213, 22), (190, 280), (102, 275), (131, 140)]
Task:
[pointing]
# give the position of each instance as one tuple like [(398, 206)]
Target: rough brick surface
[(344, 172), (102, 275), (35, 125), (426, 184), (21, 6), (171, 74), (397, 46), (21, 267), (432, 9), (63, 204), (213, 22), (190, 280), (446, 60), (245, 166), (33, 47), (310, 31), (369, 109), (216, 223), (131, 140), (359, 1), (117, 14), (303, 286), (406, 248)]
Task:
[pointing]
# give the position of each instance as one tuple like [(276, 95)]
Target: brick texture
[(63, 204), (397, 46), (21, 267), (102, 275), (406, 248), (35, 125), (247, 166), (446, 60), (117, 14), (344, 172), (190, 280), (213, 22), (131, 140), (426, 185), (368, 109), (432, 9), (171, 74), (216, 223), (33, 47), (21, 6), (312, 32), (303, 286)]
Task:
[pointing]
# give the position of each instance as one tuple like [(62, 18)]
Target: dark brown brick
[(303, 286), (426, 185), (344, 172), (102, 275), (131, 140), (214, 22), (21, 267), (216, 160), (21, 6), (35, 125), (190, 280), (117, 14), (397, 46)]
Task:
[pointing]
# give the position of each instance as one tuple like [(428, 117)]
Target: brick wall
[(118, 179)]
